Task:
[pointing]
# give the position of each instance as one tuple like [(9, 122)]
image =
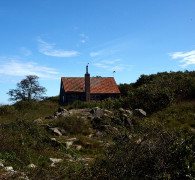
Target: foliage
[(177, 115), (27, 89), (7, 109), (151, 152), (73, 125), (155, 92), (53, 99)]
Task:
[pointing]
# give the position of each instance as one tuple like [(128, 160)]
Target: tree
[(27, 89)]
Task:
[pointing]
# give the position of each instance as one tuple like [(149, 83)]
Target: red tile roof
[(98, 85)]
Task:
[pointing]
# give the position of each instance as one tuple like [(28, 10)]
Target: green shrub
[(73, 125), (152, 152), (7, 109)]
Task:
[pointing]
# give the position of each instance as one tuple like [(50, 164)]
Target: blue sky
[(57, 38)]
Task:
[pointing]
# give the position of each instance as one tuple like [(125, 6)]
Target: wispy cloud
[(84, 38), (112, 65), (13, 68), (94, 54), (48, 49), (25, 51), (110, 61), (187, 58)]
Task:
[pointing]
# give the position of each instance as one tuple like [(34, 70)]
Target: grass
[(24, 141), (177, 115)]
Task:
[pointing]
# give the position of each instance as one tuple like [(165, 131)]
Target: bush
[(7, 109), (155, 92), (150, 153), (73, 125)]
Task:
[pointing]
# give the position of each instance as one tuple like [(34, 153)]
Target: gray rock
[(62, 130), (54, 142), (90, 136), (57, 113), (98, 112), (55, 131), (9, 168), (31, 166), (78, 147), (139, 112), (124, 115), (129, 112), (121, 110), (64, 114), (98, 134), (54, 161), (39, 120), (69, 144), (60, 109), (1, 165)]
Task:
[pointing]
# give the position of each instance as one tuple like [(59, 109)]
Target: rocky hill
[(149, 133)]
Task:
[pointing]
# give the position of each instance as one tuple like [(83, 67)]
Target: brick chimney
[(87, 85)]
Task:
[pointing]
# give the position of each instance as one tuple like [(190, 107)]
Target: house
[(87, 88)]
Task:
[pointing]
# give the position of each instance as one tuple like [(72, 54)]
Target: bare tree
[(27, 89)]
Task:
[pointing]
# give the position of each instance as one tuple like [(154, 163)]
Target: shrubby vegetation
[(160, 146), (150, 151), (155, 92)]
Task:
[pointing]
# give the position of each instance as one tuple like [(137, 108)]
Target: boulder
[(83, 112), (64, 114), (98, 112), (139, 112)]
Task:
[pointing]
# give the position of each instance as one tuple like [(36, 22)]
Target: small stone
[(90, 136), (69, 143), (9, 168), (124, 115), (1, 165), (60, 109), (129, 112), (39, 120), (31, 166), (57, 113), (55, 160), (121, 110), (98, 134), (56, 131), (139, 112), (78, 147)]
